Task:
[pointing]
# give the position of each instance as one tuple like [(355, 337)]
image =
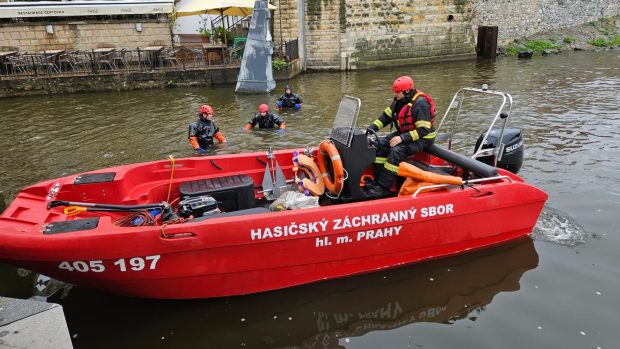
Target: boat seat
[(255, 210), (232, 193), (442, 170)]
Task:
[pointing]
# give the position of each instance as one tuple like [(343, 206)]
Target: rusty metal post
[(487, 41)]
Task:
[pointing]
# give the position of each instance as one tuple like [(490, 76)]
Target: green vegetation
[(203, 28), (224, 35), (602, 42), (512, 50), (534, 45), (598, 42), (540, 45), (568, 40), (278, 63)]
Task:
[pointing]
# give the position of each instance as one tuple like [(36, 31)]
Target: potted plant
[(223, 35), (205, 35), (204, 31)]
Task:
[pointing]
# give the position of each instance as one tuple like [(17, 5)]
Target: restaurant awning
[(83, 8)]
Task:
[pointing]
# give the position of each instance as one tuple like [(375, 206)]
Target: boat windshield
[(346, 118)]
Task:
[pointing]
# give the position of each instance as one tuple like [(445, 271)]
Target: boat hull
[(260, 252)]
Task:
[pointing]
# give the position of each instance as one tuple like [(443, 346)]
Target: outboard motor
[(512, 157)]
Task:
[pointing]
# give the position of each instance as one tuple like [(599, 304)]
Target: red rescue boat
[(200, 227)]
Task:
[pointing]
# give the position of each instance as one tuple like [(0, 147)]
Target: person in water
[(289, 99), (265, 119), (203, 131), (412, 112)]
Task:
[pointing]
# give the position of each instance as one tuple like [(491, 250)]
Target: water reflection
[(312, 316)]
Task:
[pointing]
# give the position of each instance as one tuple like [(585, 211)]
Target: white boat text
[(346, 222), (121, 264)]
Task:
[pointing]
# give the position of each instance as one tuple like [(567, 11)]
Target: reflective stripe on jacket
[(415, 126)]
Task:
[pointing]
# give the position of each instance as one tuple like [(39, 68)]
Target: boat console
[(355, 158), (232, 193)]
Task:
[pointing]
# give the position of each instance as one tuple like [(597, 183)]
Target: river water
[(558, 290)]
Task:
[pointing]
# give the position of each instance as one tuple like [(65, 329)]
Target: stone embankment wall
[(357, 34), (404, 32), (116, 82), (521, 18), (83, 35)]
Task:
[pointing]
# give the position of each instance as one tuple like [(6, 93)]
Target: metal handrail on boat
[(506, 98), (473, 181)]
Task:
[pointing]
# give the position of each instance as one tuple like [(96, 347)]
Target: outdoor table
[(215, 52), (101, 56), (104, 49), (51, 57), (152, 53), (51, 52)]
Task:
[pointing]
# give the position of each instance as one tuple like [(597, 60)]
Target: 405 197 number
[(121, 264)]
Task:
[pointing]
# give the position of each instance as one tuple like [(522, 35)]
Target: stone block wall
[(516, 19), (357, 34), (288, 16), (323, 34), (405, 31), (83, 35)]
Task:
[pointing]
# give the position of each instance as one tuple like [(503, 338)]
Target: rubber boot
[(377, 170), (384, 183)]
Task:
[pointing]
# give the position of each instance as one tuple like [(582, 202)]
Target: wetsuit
[(202, 132), (268, 121), (289, 100)]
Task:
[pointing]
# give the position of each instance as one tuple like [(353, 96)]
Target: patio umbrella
[(217, 7), (240, 8)]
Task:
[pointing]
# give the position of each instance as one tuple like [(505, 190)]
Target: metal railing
[(288, 50), (101, 61)]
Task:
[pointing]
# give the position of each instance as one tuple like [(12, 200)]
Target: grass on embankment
[(597, 34), (534, 45)]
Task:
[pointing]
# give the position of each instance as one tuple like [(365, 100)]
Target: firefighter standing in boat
[(203, 131), (412, 113)]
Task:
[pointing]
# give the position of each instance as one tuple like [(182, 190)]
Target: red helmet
[(403, 83), (263, 108), (205, 109)]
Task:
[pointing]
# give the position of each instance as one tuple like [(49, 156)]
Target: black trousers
[(394, 155)]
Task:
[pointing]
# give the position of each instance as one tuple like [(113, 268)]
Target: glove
[(280, 131), (279, 104), (201, 151), (369, 131), (297, 105)]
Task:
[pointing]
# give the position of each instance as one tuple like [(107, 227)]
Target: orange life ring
[(312, 183), (334, 186)]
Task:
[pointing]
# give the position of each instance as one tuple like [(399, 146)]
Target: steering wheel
[(372, 138)]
